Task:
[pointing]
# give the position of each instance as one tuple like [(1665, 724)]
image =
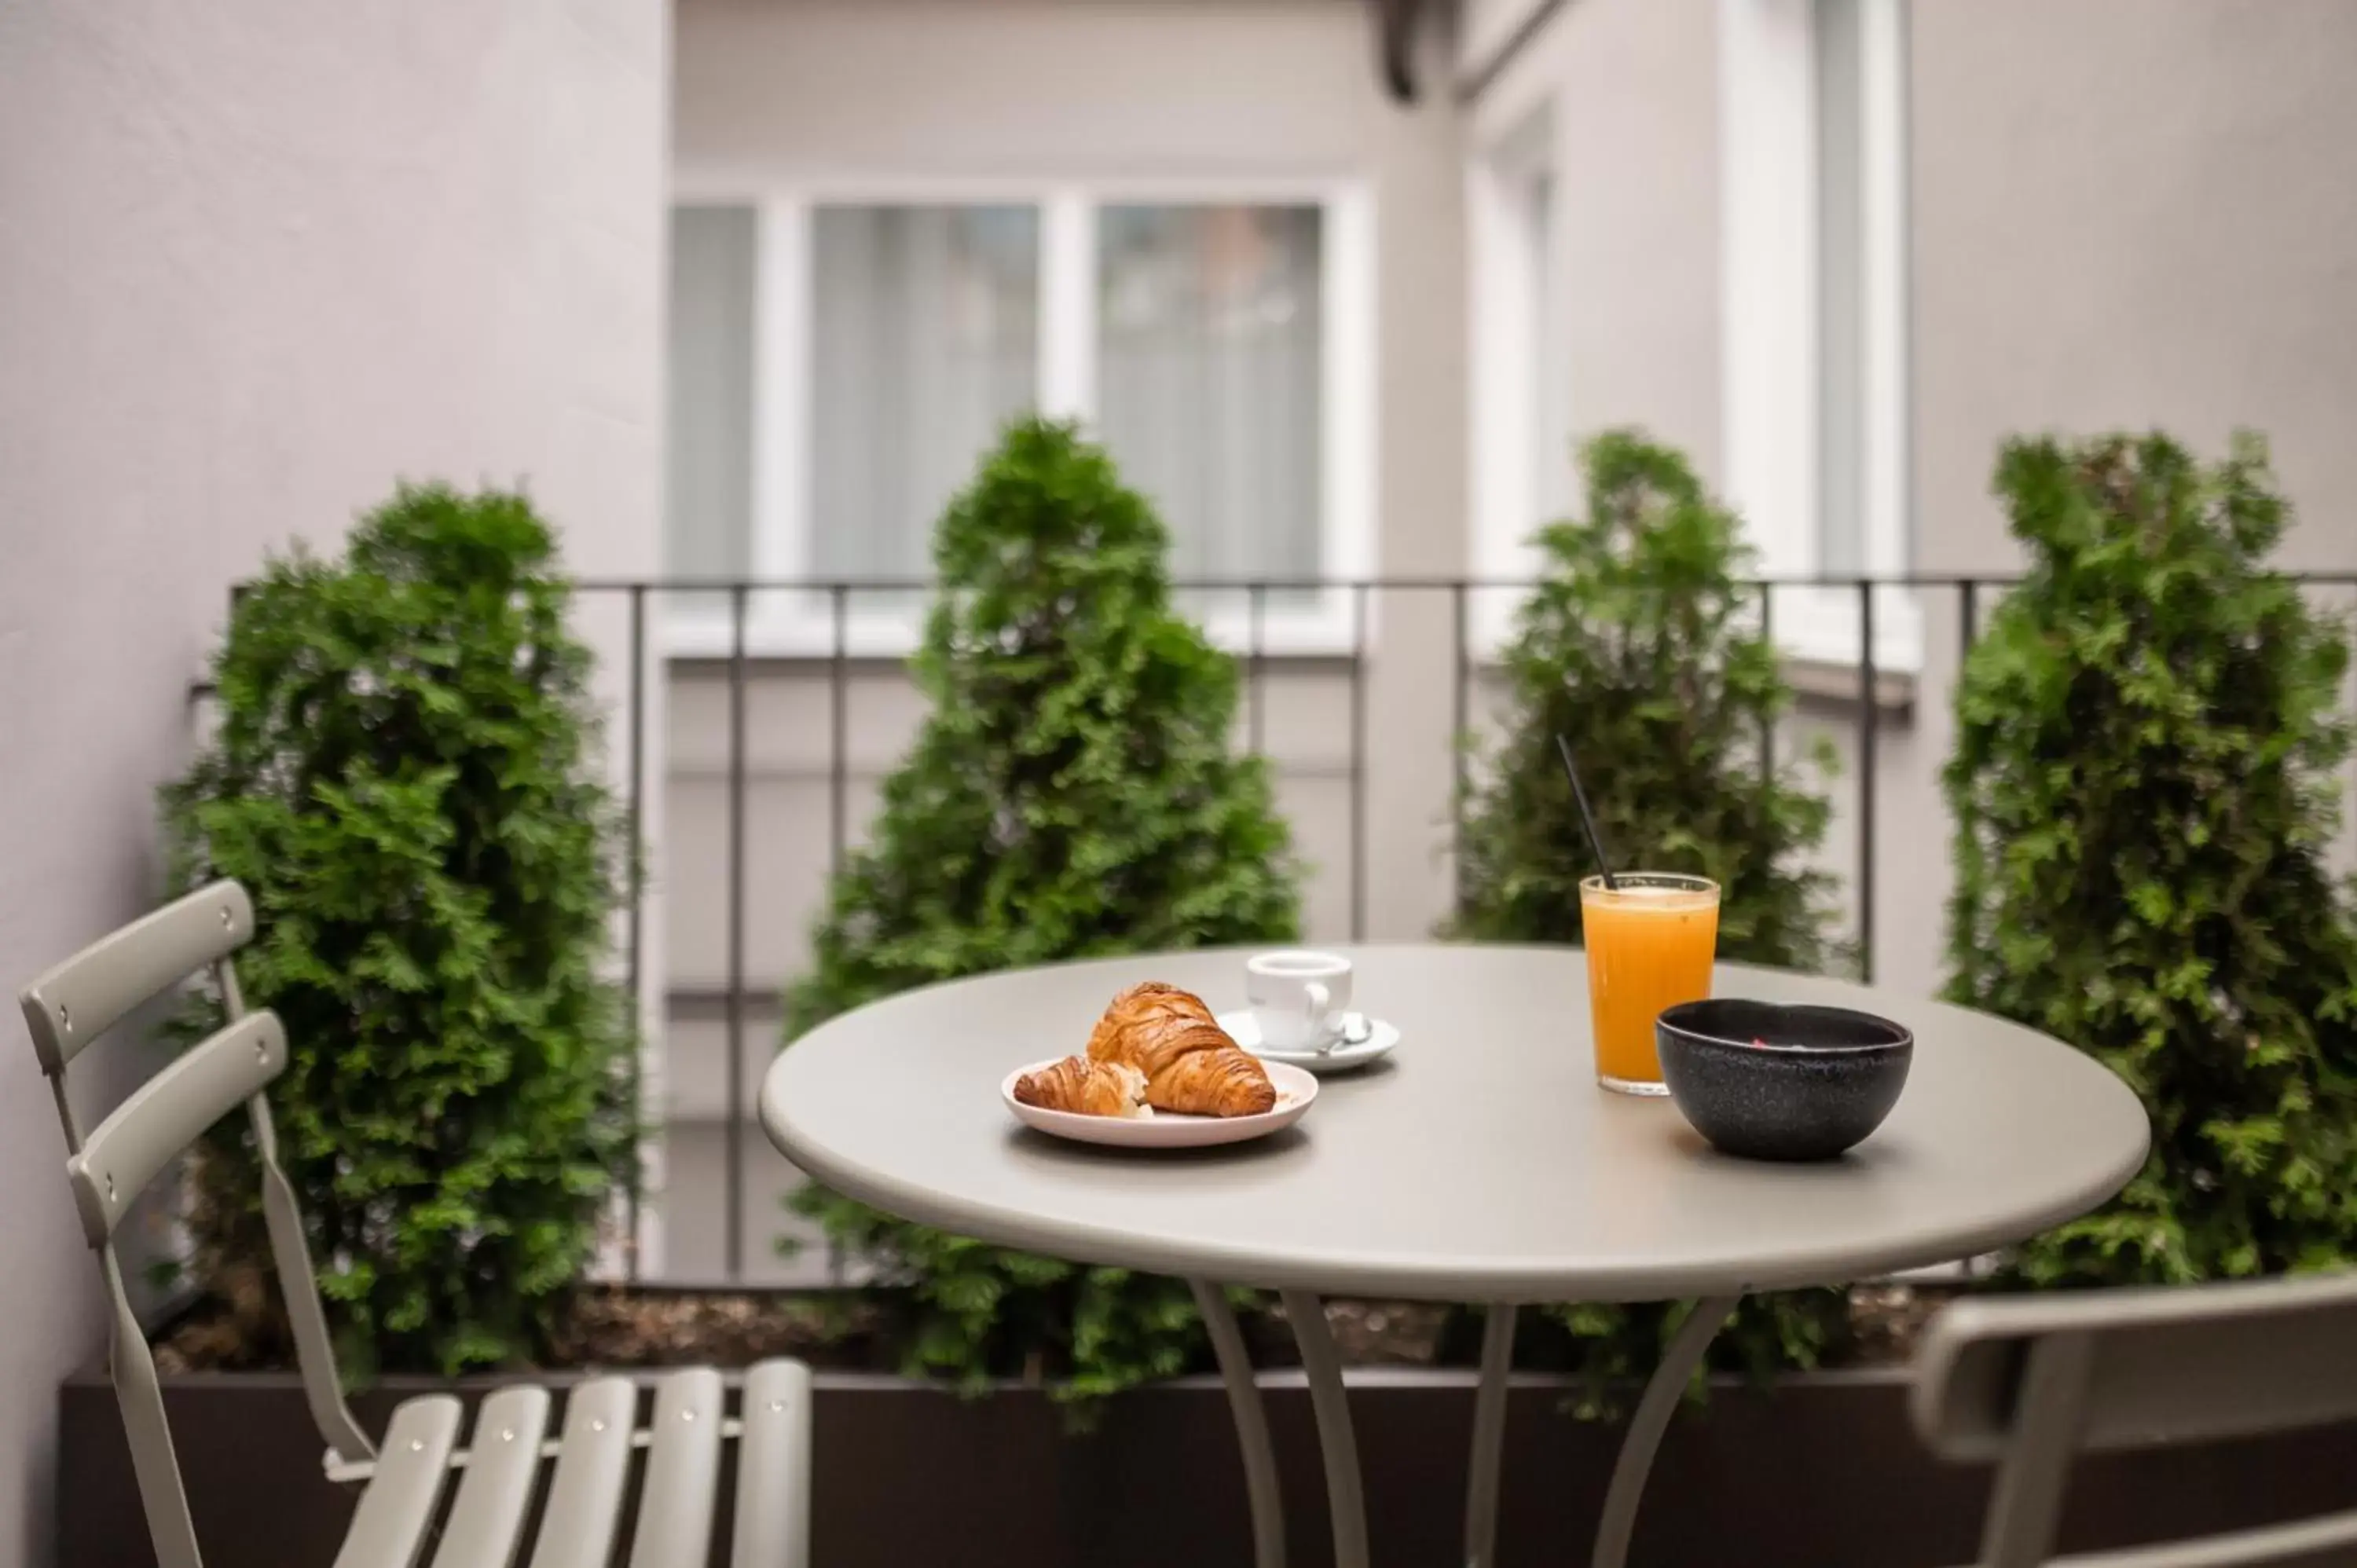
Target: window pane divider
[(1068, 305), (782, 307)]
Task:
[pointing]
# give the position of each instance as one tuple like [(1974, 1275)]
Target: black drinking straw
[(1595, 839)]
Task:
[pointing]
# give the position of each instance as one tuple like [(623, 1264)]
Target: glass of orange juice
[(1651, 939)]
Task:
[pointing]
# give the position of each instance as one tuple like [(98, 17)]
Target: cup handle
[(1315, 1000)]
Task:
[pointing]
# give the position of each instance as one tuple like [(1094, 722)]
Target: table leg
[(1646, 1426), (1489, 1439), (1339, 1446), (1252, 1423)]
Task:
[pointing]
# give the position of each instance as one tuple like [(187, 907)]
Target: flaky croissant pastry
[(1223, 1082), (1142, 1007), (1089, 1088), (1191, 1066)]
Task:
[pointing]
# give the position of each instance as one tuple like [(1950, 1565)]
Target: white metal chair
[(2033, 1382), (400, 1513)]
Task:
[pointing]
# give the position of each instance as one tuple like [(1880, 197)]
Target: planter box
[(1816, 1471)]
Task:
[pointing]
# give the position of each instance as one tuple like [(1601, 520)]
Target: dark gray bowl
[(1825, 1078)]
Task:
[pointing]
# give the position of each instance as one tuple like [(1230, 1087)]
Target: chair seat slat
[(389, 1527), (682, 1472), (486, 1523), (584, 1500), (773, 1452)]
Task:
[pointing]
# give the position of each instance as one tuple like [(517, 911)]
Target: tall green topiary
[(2143, 786), (403, 779), (1073, 793), (1638, 647)]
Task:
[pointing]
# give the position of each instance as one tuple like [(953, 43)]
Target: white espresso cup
[(1297, 997)]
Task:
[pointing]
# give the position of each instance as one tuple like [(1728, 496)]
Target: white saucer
[(1165, 1129), (1244, 1029)]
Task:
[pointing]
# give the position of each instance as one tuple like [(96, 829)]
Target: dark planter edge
[(407, 1385), (1814, 1469)]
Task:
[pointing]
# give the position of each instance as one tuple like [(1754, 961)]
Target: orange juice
[(1649, 944)]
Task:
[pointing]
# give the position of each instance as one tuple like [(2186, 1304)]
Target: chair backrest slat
[(2320, 1542), (2186, 1364), (2181, 1364), (166, 1114), (87, 994)]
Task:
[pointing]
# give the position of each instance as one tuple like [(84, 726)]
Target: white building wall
[(257, 262)]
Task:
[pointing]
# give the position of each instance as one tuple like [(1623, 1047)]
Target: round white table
[(1479, 1162)]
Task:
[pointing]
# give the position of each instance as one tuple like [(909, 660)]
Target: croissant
[(1226, 1080), (1152, 1003), (1190, 1064), (1089, 1088)]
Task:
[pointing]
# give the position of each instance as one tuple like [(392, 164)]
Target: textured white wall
[(256, 262), (2129, 213), (1485, 28)]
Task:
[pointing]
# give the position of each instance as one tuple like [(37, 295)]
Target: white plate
[(1244, 1029), (1164, 1129)]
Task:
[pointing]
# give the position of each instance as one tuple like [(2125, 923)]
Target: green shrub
[(2143, 786), (1637, 648), (403, 779), (1072, 793)]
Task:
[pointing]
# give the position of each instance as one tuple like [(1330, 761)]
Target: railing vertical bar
[(734, 1150), (1869, 724), (1768, 719), (1460, 725), (1358, 761), (1255, 654), (838, 789), (838, 725), (634, 875)]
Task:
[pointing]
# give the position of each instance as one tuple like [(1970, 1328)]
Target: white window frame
[(1771, 390), (798, 624), (1520, 401)]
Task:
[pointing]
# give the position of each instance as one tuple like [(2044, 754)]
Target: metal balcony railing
[(1942, 614), (734, 645)]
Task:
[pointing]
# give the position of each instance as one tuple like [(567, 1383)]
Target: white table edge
[(1517, 1282)]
